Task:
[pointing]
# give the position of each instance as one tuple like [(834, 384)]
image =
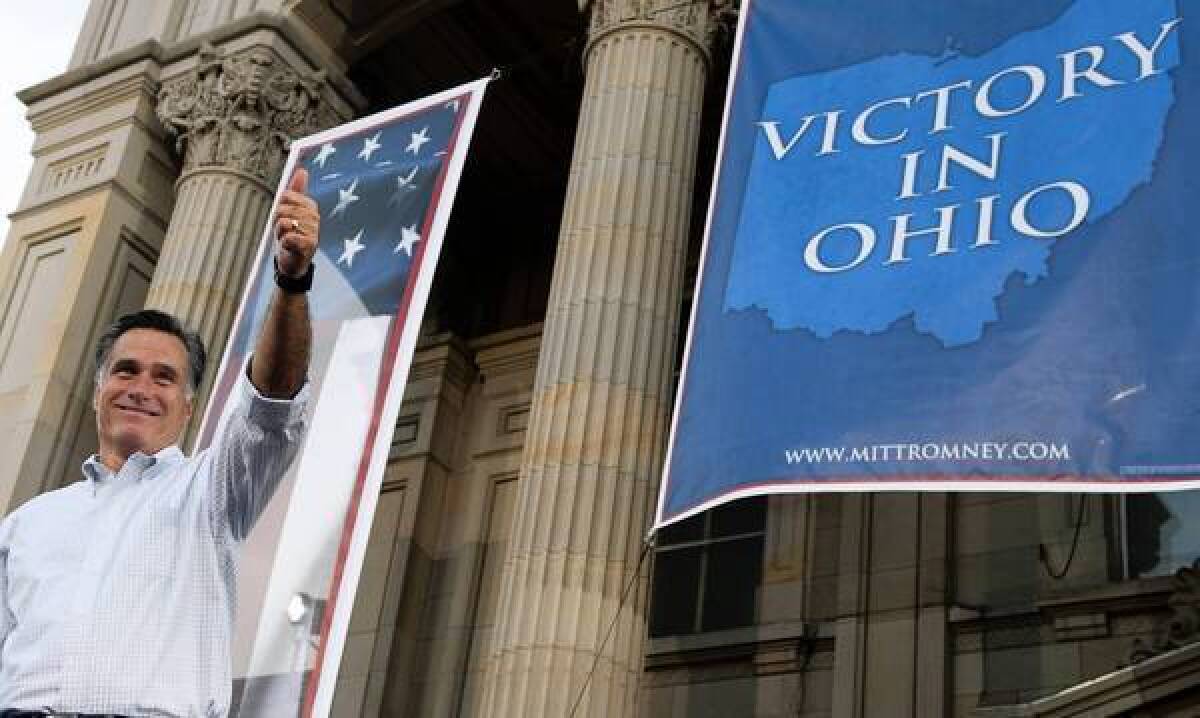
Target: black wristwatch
[(294, 285)]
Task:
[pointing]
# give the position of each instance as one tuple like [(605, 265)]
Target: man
[(117, 592)]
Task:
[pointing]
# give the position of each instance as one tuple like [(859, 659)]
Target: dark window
[(707, 570), (1162, 532)]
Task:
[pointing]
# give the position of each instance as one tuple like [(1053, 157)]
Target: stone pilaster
[(80, 251), (602, 394), (891, 642), (233, 116)]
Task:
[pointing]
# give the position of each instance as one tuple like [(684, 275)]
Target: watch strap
[(295, 285)]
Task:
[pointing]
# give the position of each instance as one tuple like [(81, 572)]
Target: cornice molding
[(96, 99), (508, 352)]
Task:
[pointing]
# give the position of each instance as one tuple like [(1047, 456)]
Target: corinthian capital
[(241, 111), (697, 21)]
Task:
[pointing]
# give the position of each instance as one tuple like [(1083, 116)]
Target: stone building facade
[(525, 460)]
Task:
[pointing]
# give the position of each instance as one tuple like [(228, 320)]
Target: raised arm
[(280, 362), (251, 454)]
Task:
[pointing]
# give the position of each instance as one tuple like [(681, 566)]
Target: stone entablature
[(111, 26)]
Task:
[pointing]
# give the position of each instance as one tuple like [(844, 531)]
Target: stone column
[(234, 116), (601, 400)]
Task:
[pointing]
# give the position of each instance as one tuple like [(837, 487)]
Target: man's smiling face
[(142, 401)]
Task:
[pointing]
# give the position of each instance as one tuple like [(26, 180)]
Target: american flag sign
[(384, 185)]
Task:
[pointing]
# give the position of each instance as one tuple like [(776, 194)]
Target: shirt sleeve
[(255, 443), (7, 620)]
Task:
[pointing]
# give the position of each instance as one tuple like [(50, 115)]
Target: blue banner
[(951, 246)]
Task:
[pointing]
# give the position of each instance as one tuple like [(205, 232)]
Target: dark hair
[(158, 321)]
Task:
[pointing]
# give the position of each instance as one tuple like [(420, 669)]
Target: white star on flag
[(452, 105), (345, 198), (418, 139), (323, 154), (351, 247), (408, 238), (402, 184), (369, 146)]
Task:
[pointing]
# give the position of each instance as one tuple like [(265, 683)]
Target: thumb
[(299, 181)]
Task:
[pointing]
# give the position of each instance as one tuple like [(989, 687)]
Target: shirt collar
[(145, 467)]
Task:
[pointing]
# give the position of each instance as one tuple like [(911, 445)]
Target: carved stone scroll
[(1183, 625)]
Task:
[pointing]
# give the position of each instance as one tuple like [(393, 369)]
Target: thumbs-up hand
[(297, 227)]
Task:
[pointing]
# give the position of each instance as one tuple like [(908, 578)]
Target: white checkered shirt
[(118, 592)]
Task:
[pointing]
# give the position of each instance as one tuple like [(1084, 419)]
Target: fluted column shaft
[(234, 116), (214, 231), (601, 399)]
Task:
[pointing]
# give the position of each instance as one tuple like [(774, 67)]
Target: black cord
[(809, 639), (1044, 555), (603, 642)]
